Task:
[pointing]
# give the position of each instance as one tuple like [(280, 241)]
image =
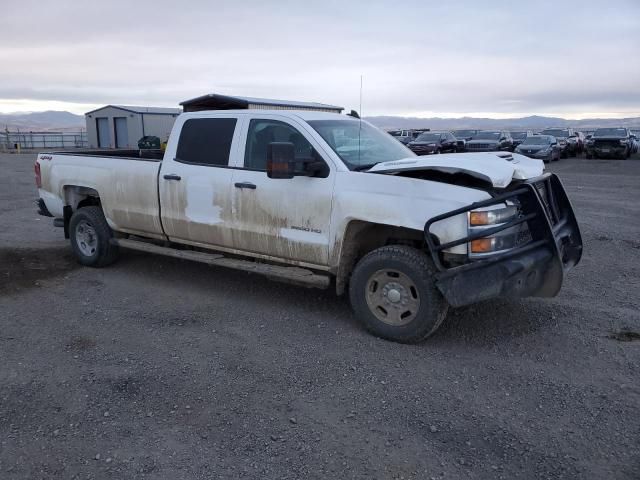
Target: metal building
[(215, 101), (121, 126)]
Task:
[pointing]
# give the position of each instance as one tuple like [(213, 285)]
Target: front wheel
[(91, 237), (394, 295)]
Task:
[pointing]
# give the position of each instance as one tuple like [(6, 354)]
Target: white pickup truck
[(321, 199)]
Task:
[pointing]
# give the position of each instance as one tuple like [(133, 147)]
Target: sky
[(497, 59)]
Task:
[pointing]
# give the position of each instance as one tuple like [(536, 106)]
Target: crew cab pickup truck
[(323, 200)]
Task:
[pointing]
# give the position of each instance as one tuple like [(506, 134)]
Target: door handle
[(172, 176), (245, 185)]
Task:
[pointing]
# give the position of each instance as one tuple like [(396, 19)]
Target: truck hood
[(497, 168)]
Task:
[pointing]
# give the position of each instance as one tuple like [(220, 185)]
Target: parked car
[(403, 136), (580, 141), (542, 147), (463, 136), (491, 141), (434, 142), (636, 141), (562, 135), (610, 143), (406, 136), (520, 136), (273, 192)]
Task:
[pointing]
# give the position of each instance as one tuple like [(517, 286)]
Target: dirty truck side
[(321, 199)]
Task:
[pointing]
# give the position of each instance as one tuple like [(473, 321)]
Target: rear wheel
[(394, 295), (91, 237)]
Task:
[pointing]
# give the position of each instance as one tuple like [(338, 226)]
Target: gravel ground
[(165, 369)]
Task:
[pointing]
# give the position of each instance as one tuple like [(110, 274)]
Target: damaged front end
[(520, 243)]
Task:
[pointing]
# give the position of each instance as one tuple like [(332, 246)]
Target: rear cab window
[(206, 141)]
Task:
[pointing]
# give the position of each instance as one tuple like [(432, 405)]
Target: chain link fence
[(12, 141)]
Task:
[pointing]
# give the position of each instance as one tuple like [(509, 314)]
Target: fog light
[(482, 245)]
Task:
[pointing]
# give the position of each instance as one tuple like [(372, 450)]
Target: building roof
[(134, 109), (213, 101)]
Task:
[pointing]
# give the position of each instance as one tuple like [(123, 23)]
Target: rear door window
[(206, 141)]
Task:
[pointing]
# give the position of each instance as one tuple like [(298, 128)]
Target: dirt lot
[(160, 368)]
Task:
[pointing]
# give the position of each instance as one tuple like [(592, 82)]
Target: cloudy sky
[(576, 59)]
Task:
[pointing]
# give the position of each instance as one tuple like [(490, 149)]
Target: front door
[(283, 218), (195, 182)]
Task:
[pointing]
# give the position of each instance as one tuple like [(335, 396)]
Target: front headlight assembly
[(501, 241)]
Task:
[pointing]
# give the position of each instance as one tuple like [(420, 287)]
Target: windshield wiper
[(367, 166)]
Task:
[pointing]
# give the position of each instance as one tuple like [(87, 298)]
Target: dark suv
[(491, 141), (610, 143), (434, 142), (565, 137)]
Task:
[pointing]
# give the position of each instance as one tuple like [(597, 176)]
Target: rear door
[(282, 218), (195, 181)]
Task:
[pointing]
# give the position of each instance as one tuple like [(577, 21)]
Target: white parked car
[(323, 199)]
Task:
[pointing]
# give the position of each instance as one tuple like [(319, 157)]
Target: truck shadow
[(483, 324)]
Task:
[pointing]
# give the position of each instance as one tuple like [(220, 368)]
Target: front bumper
[(535, 268), (537, 156), (607, 152)]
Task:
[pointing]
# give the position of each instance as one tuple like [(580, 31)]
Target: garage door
[(122, 134), (104, 137)]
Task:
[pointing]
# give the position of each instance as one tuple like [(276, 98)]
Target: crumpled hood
[(495, 167)]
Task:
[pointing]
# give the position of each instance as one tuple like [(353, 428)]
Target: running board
[(292, 274)]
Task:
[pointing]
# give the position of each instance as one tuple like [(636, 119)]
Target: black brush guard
[(535, 268)]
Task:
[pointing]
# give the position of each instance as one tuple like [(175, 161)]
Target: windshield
[(557, 132), (359, 144), (464, 133), (537, 140), (610, 132), (428, 137), (487, 136), (519, 135)]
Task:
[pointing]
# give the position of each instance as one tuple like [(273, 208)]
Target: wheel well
[(361, 238), (76, 197)]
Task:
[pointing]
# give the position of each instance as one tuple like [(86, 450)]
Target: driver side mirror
[(281, 158)]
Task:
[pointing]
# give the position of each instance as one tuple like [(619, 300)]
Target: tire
[(416, 309), (438, 151), (91, 236)]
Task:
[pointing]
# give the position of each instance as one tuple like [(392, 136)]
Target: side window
[(206, 141), (262, 132)]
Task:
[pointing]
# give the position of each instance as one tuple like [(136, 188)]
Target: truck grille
[(479, 146), (606, 143)]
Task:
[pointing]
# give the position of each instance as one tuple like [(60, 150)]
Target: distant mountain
[(64, 121), (534, 122), (41, 121)]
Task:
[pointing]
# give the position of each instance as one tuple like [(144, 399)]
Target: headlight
[(479, 218), (431, 145), (544, 151), (624, 141), (563, 142)]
